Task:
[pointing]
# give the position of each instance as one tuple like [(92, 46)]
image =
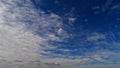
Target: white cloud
[(19, 22), (19, 42), (71, 19), (96, 36), (95, 66)]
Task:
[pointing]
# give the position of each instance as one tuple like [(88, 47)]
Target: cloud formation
[(26, 35), (25, 32)]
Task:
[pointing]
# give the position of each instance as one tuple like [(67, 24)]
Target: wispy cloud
[(96, 36), (24, 32)]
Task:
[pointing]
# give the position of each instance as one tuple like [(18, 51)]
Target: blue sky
[(92, 26), (60, 33), (97, 12)]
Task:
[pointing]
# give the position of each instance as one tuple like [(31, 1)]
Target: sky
[(59, 33)]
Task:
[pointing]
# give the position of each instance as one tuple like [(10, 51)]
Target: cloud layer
[(25, 32), (31, 37)]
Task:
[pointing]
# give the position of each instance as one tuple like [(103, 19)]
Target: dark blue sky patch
[(96, 26)]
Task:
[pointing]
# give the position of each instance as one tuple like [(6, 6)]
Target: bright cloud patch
[(17, 42), (24, 32)]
